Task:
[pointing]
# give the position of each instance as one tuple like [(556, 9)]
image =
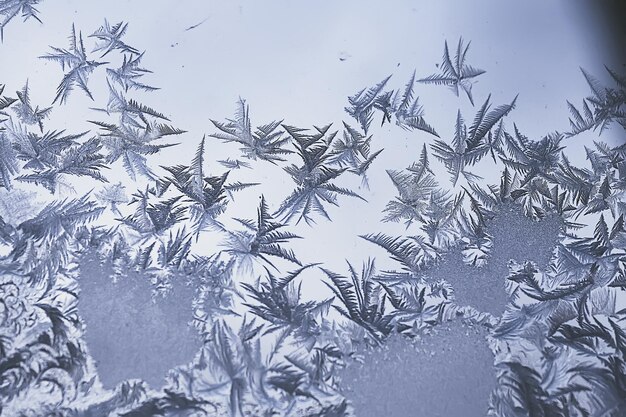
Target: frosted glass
[(334, 209)]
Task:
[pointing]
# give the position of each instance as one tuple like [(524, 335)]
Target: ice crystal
[(455, 72), (75, 59), (11, 8)]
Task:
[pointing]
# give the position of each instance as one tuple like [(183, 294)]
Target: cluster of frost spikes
[(569, 310), (9, 9), (266, 349)]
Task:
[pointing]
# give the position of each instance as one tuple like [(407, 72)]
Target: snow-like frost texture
[(129, 332), (447, 373), (515, 237)]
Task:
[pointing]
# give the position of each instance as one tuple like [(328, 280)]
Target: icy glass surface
[(515, 238), (130, 332), (275, 208), (440, 374)]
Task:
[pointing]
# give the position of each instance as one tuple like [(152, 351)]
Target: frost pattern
[(78, 267)]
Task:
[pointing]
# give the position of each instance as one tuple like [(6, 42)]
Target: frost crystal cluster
[(131, 285)]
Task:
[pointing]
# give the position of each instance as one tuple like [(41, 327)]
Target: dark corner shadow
[(610, 16)]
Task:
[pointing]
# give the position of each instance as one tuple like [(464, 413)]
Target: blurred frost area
[(129, 333), (445, 373), (515, 237), (299, 63)]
